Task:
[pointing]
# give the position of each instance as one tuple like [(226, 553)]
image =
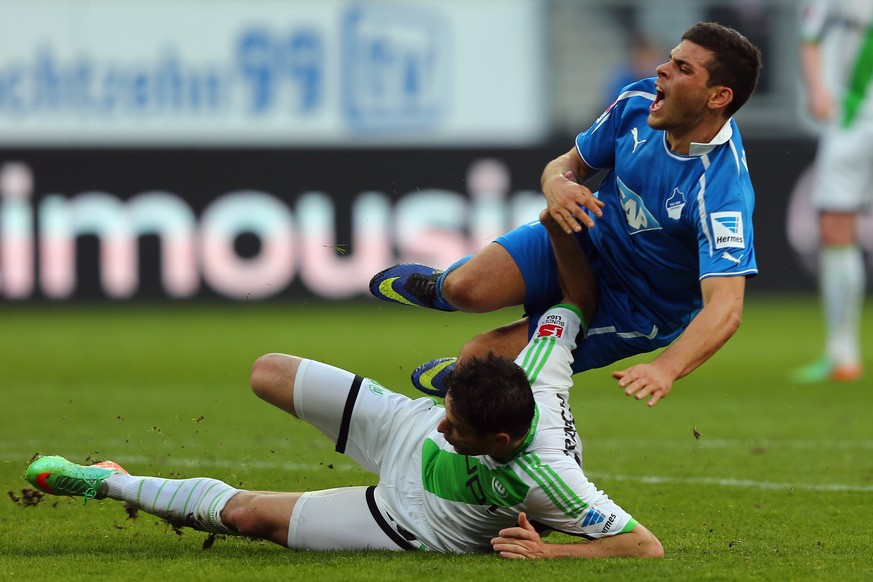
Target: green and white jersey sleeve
[(467, 500), (844, 30)]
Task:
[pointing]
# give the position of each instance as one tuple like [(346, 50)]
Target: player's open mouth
[(658, 102)]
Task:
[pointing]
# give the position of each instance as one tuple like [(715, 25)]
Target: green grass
[(777, 487)]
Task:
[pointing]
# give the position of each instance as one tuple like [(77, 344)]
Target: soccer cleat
[(825, 370), (409, 284), (58, 476), (430, 377)]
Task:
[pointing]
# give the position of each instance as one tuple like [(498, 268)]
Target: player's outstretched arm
[(710, 329), (523, 542), (565, 195)]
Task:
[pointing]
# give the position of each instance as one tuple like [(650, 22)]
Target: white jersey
[(844, 28), (457, 503)]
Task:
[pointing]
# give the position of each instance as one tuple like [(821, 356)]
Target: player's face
[(461, 435), (681, 102)]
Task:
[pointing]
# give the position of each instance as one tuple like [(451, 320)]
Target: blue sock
[(440, 301)]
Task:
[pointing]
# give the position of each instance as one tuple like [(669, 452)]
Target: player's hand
[(645, 381), (519, 543), (567, 200)]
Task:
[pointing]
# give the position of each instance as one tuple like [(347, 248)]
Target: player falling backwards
[(498, 464), (669, 233)]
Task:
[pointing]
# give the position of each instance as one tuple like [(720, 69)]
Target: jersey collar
[(723, 136), (527, 440)]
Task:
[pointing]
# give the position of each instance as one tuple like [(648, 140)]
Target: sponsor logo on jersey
[(609, 523), (549, 330), (498, 488), (635, 133), (727, 230), (552, 326), (379, 389), (675, 203), (591, 517), (569, 427), (639, 219), (727, 256)]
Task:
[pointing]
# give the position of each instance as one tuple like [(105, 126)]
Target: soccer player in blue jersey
[(668, 233)]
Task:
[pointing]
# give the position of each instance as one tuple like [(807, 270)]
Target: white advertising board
[(270, 72)]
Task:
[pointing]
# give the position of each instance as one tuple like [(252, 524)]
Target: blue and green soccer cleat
[(410, 284), (58, 476), (430, 376)]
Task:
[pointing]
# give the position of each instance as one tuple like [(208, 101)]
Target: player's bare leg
[(489, 281)]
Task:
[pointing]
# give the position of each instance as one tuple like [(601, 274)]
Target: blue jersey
[(669, 220)]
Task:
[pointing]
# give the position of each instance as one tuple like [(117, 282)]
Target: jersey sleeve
[(813, 20), (596, 145), (548, 356), (568, 502), (725, 233)]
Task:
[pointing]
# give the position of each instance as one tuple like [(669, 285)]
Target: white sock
[(843, 283), (195, 503)]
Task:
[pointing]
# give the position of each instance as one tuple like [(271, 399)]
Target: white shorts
[(844, 169), (350, 517), (346, 518)]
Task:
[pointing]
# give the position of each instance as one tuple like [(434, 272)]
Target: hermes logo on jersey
[(727, 229), (592, 516)]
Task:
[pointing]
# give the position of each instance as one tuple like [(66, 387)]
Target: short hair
[(736, 62), (493, 395)]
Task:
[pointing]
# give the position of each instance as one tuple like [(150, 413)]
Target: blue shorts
[(618, 330)]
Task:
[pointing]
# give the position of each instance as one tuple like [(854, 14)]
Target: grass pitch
[(741, 475)]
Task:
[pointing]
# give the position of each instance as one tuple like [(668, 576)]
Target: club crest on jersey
[(675, 203), (552, 326), (727, 230), (639, 219)]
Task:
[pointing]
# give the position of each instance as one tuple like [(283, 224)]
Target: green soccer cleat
[(58, 476), (825, 370)]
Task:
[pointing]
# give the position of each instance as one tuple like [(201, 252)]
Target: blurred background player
[(837, 62), (645, 55), (669, 233)]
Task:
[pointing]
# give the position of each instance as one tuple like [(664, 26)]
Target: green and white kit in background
[(428, 496), (844, 31)]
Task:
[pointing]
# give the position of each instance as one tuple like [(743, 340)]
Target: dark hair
[(493, 395), (736, 62)]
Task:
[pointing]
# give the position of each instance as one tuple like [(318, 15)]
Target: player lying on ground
[(495, 466), (668, 234)]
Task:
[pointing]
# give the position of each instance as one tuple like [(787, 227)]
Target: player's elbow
[(733, 319)]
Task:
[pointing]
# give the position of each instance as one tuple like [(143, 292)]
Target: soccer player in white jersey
[(837, 63), (498, 464), (668, 234)]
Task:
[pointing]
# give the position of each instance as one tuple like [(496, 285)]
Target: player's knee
[(272, 379), (468, 292)]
